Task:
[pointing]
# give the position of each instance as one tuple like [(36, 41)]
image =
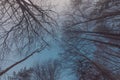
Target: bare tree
[(49, 70), (23, 26), (22, 74), (91, 34)]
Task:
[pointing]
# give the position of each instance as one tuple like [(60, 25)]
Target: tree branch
[(22, 60)]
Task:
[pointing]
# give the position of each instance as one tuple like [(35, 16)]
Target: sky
[(60, 4)]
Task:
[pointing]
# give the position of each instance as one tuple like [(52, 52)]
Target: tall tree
[(91, 34), (23, 26)]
